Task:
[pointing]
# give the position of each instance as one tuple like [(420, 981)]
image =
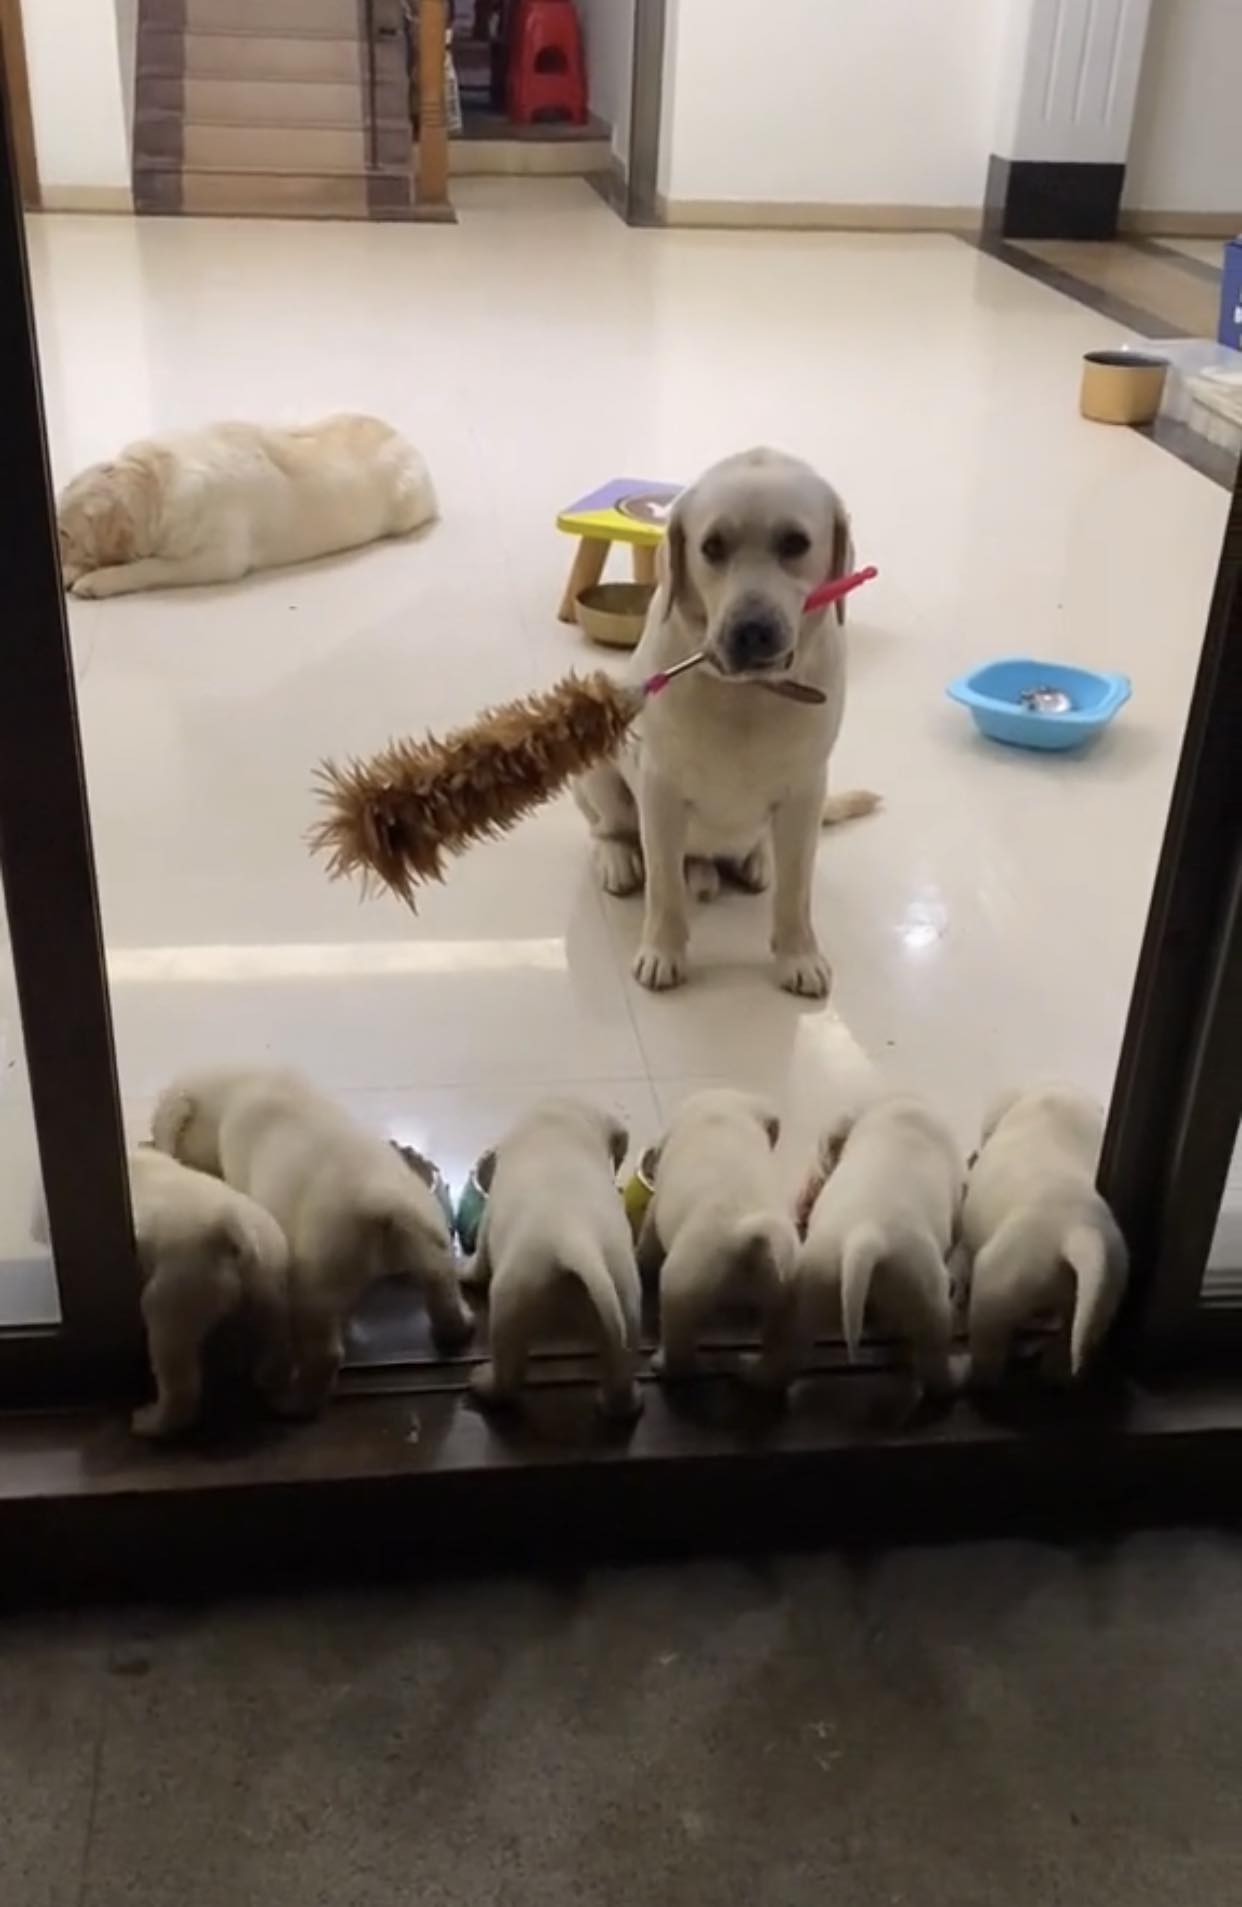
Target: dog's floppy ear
[(618, 1137), (832, 1145), (485, 1169), (673, 567), (842, 552)]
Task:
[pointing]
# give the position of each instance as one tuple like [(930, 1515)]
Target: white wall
[(1186, 151), (832, 102), (77, 101), (608, 29)]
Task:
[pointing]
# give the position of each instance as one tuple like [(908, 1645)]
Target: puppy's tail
[(767, 1245), (171, 1120), (849, 806), (586, 1264), (864, 1248), (1096, 1254)]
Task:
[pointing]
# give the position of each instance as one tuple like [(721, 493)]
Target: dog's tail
[(863, 1251), (585, 1262), (766, 1245), (1096, 1254), (170, 1121), (849, 806)]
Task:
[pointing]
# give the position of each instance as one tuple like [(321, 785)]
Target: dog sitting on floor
[(1042, 1241), (716, 1229), (351, 1208), (880, 1233), (554, 1223), (212, 505)]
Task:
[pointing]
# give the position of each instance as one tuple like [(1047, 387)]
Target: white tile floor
[(983, 928)]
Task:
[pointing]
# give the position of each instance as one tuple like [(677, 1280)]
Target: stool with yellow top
[(629, 510)]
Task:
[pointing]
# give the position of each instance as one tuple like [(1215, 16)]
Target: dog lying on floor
[(554, 1221), (352, 1210), (880, 1233), (1041, 1239), (211, 505), (726, 776), (717, 1228)]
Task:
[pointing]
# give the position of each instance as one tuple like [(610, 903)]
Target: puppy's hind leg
[(604, 798), (512, 1328), (318, 1348), (175, 1336), (687, 1295)]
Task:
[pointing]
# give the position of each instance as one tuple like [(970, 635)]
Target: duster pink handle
[(832, 591)]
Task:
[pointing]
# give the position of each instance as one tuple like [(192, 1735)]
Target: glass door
[(1170, 1166), (68, 1311)]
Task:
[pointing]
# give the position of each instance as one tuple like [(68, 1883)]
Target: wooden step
[(528, 158), (162, 137), (242, 193), (245, 102), (256, 56), (293, 17)]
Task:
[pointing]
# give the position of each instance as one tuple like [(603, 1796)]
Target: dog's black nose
[(755, 641)]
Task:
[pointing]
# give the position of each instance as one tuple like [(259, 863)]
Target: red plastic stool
[(547, 70)]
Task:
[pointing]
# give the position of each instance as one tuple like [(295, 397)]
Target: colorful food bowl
[(1045, 705)]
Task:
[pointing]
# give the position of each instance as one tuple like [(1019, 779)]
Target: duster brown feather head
[(397, 816)]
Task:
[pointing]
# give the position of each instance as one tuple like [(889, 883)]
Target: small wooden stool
[(626, 510)]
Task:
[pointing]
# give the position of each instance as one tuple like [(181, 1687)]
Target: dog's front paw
[(621, 1405), (453, 1329), (487, 1391), (88, 585), (155, 1421), (659, 968), (806, 974), (619, 867)]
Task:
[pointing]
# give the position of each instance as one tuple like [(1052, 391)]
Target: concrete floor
[(1000, 1723)]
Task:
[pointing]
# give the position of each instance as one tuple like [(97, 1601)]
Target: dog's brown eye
[(792, 544), (714, 548)]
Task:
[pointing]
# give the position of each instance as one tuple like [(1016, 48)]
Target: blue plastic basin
[(993, 695)]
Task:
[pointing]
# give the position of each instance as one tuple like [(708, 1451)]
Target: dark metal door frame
[(48, 869), (1178, 1093), (642, 168)]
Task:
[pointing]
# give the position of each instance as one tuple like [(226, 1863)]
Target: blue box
[(1230, 329)]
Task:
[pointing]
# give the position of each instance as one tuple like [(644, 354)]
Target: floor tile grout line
[(1178, 440), (1193, 267), (93, 1800)]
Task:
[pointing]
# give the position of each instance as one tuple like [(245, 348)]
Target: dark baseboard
[(1046, 198), (392, 1481)]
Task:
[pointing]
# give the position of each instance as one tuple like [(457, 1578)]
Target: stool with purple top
[(629, 510)]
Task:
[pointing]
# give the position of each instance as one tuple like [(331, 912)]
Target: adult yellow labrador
[(727, 773)]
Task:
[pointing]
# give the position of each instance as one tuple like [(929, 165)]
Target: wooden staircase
[(273, 108)]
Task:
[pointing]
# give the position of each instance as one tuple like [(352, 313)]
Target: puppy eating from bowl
[(726, 775), (555, 1227), (717, 1229), (1042, 1242), (880, 1233), (350, 1207)]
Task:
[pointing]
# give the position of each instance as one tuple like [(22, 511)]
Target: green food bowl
[(473, 1203)]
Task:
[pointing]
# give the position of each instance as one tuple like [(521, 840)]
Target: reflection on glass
[(27, 1279), (1225, 1261)]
